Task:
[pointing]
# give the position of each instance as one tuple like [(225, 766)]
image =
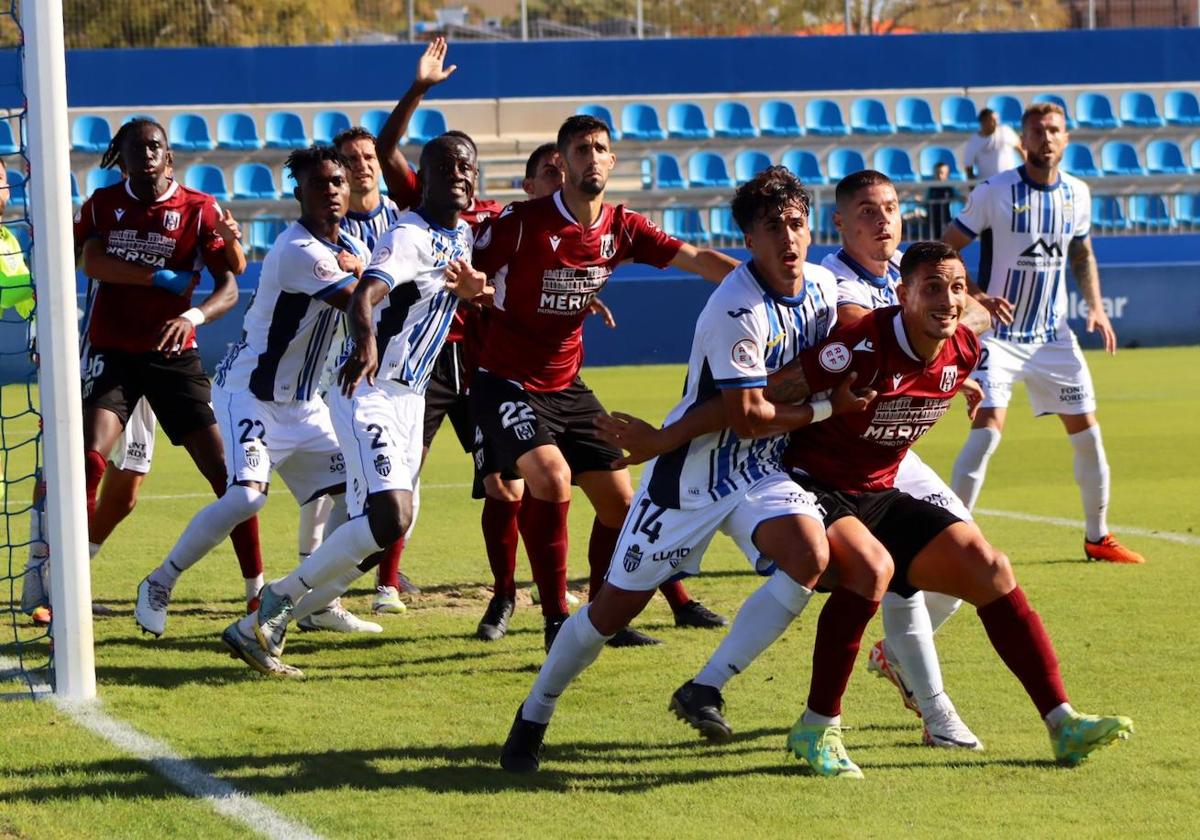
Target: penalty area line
[(1124, 530)]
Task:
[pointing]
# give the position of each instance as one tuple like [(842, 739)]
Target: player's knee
[(991, 568), (868, 572), (243, 501), (804, 562), (501, 490), (389, 515), (551, 483)]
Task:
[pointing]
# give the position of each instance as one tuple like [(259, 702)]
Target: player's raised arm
[(231, 234), (1087, 278), (397, 174)]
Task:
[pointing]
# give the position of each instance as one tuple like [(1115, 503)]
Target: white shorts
[(293, 438), (380, 430), (134, 450), (657, 543), (1054, 372), (917, 479)]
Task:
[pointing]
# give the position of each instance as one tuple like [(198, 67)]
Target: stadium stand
[(639, 121), (1107, 213), (1164, 157), (823, 117), (8, 143), (254, 181), (1149, 212), (959, 114), (601, 113), (237, 130), (722, 228), (328, 124), (685, 121), (1078, 160), (842, 162), (805, 164), (869, 116), (189, 133), (285, 130), (894, 163), (1138, 109), (748, 163), (1120, 158), (1196, 154), (685, 223), (374, 119), (707, 169), (914, 116), (90, 134), (666, 173), (1008, 109), (426, 124), (76, 197), (207, 178), (732, 119), (1055, 99), (931, 156), (1181, 108), (16, 188), (777, 118), (1094, 110), (98, 178), (1187, 209)]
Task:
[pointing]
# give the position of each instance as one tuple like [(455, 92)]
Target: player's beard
[(592, 185)]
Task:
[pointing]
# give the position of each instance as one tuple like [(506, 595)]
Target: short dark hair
[(1041, 109), (350, 134), (775, 188), (462, 135), (928, 252), (986, 112), (849, 186), (112, 154), (535, 159), (302, 160), (578, 124)]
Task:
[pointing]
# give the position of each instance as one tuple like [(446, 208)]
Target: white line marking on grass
[(154, 497), (1170, 536)]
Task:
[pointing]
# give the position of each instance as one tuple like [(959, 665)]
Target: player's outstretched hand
[(597, 307), (228, 228), (848, 400), (972, 392), (350, 263), (464, 280), (362, 362), (1000, 308), (634, 435), (429, 67), (1097, 319), (174, 336)]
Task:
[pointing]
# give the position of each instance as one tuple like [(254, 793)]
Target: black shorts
[(176, 387), (903, 525), (486, 463), (514, 421), (446, 396)]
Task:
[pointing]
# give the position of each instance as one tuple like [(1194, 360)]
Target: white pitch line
[(1170, 536), (157, 497)]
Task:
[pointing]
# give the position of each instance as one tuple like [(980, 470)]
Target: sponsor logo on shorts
[(745, 354), (136, 450), (337, 463), (633, 558), (949, 377), (253, 456), (523, 431), (835, 357), (939, 499), (674, 557), (1073, 394), (383, 465)]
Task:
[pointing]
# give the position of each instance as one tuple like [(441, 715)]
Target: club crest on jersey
[(381, 256), (325, 269), (171, 220), (554, 240), (835, 357), (383, 465), (949, 377), (633, 558), (745, 354), (253, 456), (608, 246)]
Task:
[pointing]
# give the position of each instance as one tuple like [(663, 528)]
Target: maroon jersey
[(862, 451), (467, 325), (547, 268), (176, 231)]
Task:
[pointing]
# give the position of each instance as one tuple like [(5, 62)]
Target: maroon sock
[(543, 527), (840, 628), (94, 465), (600, 551), (1017, 634), (675, 593), (245, 541), (499, 522), (388, 573)]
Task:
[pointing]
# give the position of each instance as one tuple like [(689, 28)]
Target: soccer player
[(1033, 221), (760, 317), (398, 318)]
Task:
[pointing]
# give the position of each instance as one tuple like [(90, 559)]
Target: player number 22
[(514, 412)]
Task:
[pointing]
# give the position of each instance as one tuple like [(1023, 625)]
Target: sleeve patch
[(745, 355), (326, 269), (834, 357), (381, 255)]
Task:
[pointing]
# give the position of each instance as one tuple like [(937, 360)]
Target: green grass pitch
[(399, 733)]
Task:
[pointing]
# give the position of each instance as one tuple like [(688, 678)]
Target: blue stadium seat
[(1149, 212), (1187, 209), (959, 114), (749, 163), (236, 130), (843, 162), (707, 169), (1107, 213), (685, 121), (777, 118), (254, 181), (601, 113), (1182, 108), (24, 235), (263, 233), (823, 117), (732, 119), (824, 227), (1138, 109), (1164, 157), (16, 188), (207, 178), (426, 123), (895, 163), (804, 165), (90, 134), (98, 178), (723, 228), (76, 198), (931, 156), (639, 121), (685, 223), (914, 116), (1008, 109), (189, 133), (8, 143), (1078, 160), (1118, 158), (374, 119), (869, 116), (1061, 103), (1093, 110), (328, 124), (287, 184), (667, 174), (285, 130)]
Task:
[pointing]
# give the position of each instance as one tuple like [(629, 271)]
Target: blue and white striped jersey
[(288, 328), (746, 332), (368, 227), (859, 286), (412, 321), (1025, 230)]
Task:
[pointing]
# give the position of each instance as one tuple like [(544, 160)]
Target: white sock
[(970, 467), (812, 717), (314, 517), (577, 645), (1091, 474), (344, 548), (93, 550), (324, 595), (207, 530), (908, 635), (761, 620), (940, 608), (1056, 715), (253, 585), (416, 507)]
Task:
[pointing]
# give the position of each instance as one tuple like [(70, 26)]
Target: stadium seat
[(254, 181), (1008, 109), (16, 188), (722, 227), (263, 233), (329, 124), (639, 121), (90, 134), (959, 114), (236, 130), (1118, 158), (666, 173), (98, 178), (426, 123), (1164, 157), (749, 163), (601, 113), (1182, 108), (24, 235), (374, 119), (1061, 103), (1149, 212), (1187, 209), (707, 169), (685, 223), (8, 143), (914, 116), (76, 198), (732, 119), (285, 130), (843, 162), (685, 121), (207, 178), (931, 156), (1138, 109), (869, 116), (189, 133), (825, 228), (1107, 213), (287, 182), (777, 118), (894, 163), (823, 117), (1093, 110), (804, 165), (1078, 160)]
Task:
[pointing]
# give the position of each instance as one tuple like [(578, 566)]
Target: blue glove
[(175, 282)]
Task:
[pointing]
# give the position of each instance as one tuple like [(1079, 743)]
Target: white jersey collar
[(170, 191), (902, 338)]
